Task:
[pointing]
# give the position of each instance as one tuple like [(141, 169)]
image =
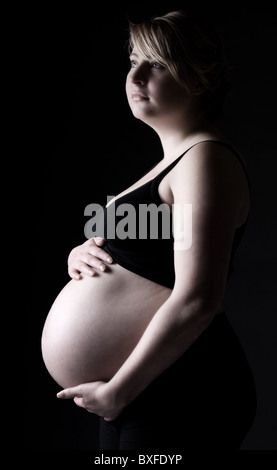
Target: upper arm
[(212, 180)]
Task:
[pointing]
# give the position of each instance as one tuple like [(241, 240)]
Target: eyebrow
[(133, 53)]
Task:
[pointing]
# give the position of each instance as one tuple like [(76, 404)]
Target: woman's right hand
[(88, 258)]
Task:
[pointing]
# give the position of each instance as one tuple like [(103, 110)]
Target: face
[(153, 93)]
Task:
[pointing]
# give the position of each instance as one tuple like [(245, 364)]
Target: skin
[(212, 180)]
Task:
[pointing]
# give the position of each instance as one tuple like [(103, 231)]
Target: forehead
[(143, 55), (134, 52)]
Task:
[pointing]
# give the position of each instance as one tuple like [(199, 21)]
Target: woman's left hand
[(95, 397)]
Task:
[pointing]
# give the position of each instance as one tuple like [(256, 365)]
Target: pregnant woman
[(143, 342)]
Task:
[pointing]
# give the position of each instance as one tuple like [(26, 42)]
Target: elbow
[(190, 318), (201, 307)]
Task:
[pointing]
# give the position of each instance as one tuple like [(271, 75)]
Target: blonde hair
[(191, 51)]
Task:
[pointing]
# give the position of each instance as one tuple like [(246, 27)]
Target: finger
[(79, 402), (93, 261), (94, 244), (100, 254), (99, 241), (87, 264), (80, 268), (68, 393), (110, 418), (74, 274)]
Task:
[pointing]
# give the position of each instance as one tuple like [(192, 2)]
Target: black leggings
[(206, 400)]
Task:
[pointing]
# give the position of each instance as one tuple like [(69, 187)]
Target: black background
[(81, 144)]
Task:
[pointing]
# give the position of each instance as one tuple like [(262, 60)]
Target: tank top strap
[(164, 172)]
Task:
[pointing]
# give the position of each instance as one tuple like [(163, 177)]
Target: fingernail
[(91, 273), (109, 260), (102, 267)]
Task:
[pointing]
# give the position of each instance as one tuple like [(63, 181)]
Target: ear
[(198, 89)]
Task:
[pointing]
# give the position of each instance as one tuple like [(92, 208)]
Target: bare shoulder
[(214, 157), (212, 174)]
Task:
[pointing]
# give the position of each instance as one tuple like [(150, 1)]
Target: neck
[(176, 138)]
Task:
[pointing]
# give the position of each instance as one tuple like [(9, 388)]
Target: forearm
[(169, 334)]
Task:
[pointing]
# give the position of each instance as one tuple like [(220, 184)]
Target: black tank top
[(142, 250)]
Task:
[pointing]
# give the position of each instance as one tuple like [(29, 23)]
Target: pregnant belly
[(94, 324)]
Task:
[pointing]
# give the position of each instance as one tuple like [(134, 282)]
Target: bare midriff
[(95, 323)]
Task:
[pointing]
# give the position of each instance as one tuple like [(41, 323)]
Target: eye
[(133, 64), (157, 65)]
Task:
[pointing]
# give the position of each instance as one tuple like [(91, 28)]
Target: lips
[(138, 96)]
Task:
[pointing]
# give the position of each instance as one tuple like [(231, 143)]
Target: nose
[(138, 74)]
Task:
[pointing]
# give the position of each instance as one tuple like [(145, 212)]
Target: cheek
[(172, 91), (127, 88), (127, 83)]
